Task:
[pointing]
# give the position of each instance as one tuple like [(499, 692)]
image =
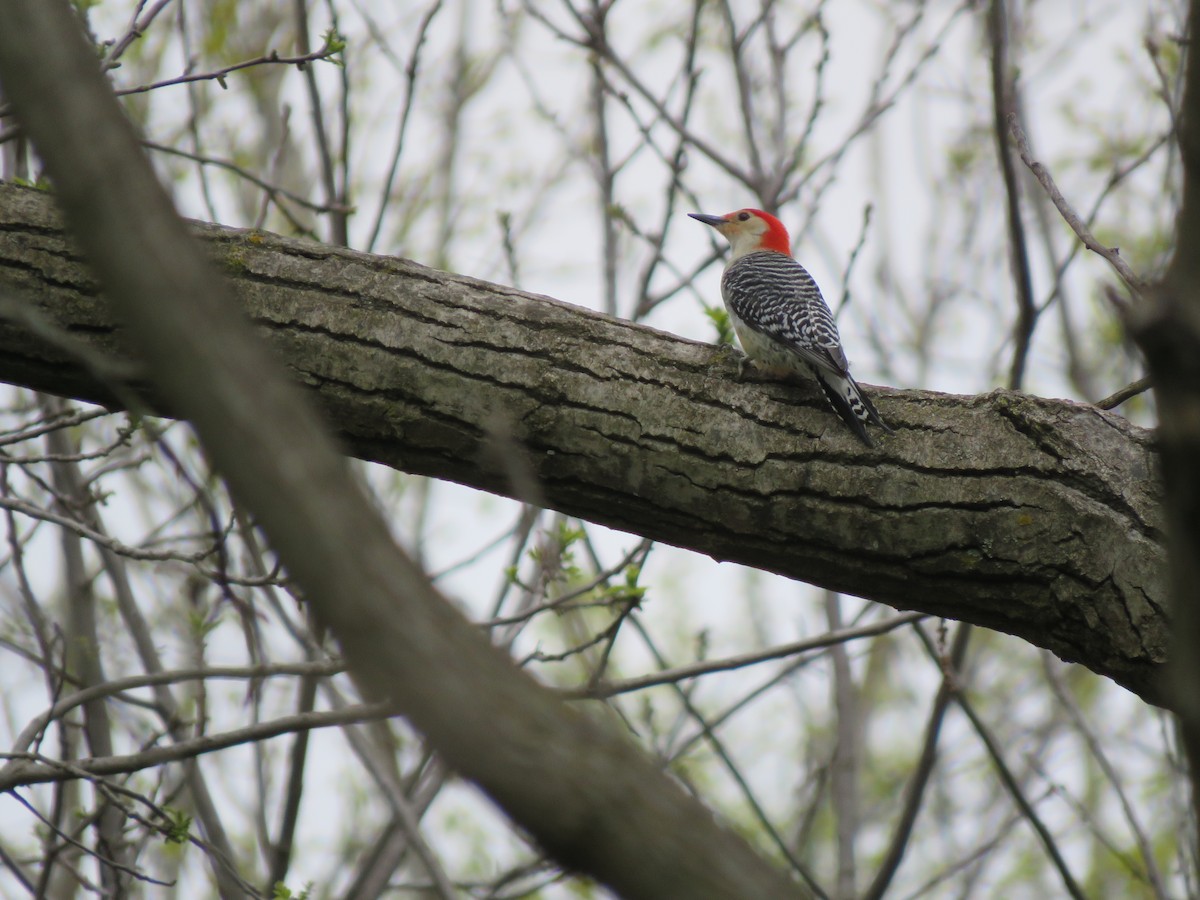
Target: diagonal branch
[(1036, 517), (1070, 216), (24, 769)]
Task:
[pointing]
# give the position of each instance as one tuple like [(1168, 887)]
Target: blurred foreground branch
[(584, 792)]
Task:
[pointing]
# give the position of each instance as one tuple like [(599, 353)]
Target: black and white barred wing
[(775, 296)]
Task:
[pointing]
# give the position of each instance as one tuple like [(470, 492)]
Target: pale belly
[(768, 355)]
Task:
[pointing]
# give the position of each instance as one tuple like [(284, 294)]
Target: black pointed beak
[(714, 221)]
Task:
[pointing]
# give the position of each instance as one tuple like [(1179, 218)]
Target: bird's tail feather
[(851, 404)]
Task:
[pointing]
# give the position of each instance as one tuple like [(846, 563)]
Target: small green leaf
[(179, 824), (334, 44), (719, 316)]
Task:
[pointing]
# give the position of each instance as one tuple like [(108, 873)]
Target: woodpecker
[(780, 316)]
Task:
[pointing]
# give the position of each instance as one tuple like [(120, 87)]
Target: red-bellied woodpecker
[(780, 316)]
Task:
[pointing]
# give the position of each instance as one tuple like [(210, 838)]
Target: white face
[(744, 231)]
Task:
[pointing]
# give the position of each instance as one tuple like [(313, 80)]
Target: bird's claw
[(727, 350)]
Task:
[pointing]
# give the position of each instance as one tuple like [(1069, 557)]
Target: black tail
[(851, 404)]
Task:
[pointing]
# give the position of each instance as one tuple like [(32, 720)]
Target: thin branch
[(849, 270), (194, 112), (169, 676), (744, 80), (996, 754), (107, 861), (69, 419), (1070, 216), (328, 50), (845, 766), (410, 82), (603, 169), (675, 163), (1004, 106), (279, 853), (36, 512), (914, 791), (1096, 748), (35, 769), (877, 105), (83, 642), (136, 29), (277, 161), (601, 579), (694, 670), (589, 42), (333, 196), (818, 89), (708, 733), (1116, 398), (13, 867), (273, 190), (379, 763)]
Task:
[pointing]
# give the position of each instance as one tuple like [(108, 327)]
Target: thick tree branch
[(1036, 517)]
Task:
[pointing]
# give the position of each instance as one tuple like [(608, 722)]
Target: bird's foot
[(729, 351)]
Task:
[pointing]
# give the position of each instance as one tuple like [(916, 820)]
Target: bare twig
[(410, 82), (36, 512), (1014, 789), (328, 50), (273, 190), (878, 104), (1070, 216), (279, 854), (83, 642), (194, 95), (914, 791), (1116, 398), (1096, 748), (338, 224), (709, 735), (1004, 106), (116, 686), (708, 148), (136, 29), (670, 676), (30, 771), (845, 766), (995, 753), (107, 861), (67, 419), (285, 137), (605, 172), (744, 79), (849, 270)]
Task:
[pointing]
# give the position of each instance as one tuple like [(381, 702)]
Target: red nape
[(776, 236)]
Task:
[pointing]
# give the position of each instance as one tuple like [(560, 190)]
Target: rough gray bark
[(1041, 518)]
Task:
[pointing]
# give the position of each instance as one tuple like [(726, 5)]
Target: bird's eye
[(743, 216)]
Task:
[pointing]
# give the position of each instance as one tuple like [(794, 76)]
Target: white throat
[(743, 243)]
